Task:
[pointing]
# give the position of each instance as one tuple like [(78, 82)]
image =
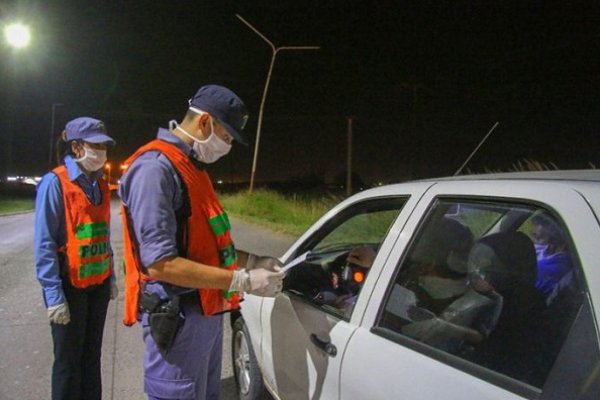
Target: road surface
[(25, 341)]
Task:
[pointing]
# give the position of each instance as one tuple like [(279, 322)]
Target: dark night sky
[(425, 80)]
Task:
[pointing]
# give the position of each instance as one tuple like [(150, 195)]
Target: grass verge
[(9, 204), (287, 214)]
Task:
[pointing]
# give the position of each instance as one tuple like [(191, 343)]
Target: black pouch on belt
[(165, 320)]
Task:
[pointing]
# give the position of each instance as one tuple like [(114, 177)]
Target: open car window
[(492, 283), (340, 254)]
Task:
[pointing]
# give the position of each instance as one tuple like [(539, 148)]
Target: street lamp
[(54, 105), (274, 50), (17, 35)]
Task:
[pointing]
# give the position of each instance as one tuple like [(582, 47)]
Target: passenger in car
[(436, 279), (555, 269), (502, 270), (438, 276)]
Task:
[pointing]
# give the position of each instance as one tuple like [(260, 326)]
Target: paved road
[(25, 342)]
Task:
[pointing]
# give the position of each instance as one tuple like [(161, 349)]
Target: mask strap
[(85, 154)]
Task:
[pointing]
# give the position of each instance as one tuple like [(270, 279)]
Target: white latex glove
[(265, 262), (59, 314), (114, 290), (259, 282)]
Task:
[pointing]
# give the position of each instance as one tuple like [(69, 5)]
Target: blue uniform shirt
[(50, 231), (152, 191)]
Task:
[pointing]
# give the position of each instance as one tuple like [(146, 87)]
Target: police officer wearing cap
[(182, 270), (73, 258)]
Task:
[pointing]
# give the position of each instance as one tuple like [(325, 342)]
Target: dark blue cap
[(87, 129), (224, 105)]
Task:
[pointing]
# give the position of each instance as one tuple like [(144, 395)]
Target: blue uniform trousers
[(78, 345), (192, 368)]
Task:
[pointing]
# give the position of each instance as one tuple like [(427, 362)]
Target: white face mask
[(210, 150), (540, 250), (92, 160)]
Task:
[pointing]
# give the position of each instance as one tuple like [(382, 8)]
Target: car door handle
[(327, 347)]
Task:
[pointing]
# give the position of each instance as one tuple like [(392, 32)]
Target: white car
[(473, 287)]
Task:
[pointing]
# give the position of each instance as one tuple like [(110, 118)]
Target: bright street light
[(274, 50), (17, 35)]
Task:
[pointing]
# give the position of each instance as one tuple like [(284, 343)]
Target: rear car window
[(491, 283)]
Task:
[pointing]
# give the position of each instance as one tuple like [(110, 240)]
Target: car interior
[(470, 287)]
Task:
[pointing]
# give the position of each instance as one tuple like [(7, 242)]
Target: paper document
[(298, 260)]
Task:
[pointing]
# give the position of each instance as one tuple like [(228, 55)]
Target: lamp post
[(17, 37), (275, 51), (54, 105), (349, 158)]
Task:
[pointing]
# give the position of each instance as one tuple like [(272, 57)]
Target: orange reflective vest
[(207, 235), (87, 246)]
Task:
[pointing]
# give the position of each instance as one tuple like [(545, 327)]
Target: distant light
[(12, 178), (220, 181), (17, 35)]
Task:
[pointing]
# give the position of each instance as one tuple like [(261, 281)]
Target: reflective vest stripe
[(94, 268), (94, 229), (228, 256), (220, 224)]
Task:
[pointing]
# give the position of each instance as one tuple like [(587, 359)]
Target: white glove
[(259, 282), (114, 290), (265, 262), (59, 314)]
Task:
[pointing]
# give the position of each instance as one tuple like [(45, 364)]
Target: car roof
[(578, 178), (587, 175)]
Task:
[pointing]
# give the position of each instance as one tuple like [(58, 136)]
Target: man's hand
[(264, 262), (59, 314), (114, 290), (259, 282)]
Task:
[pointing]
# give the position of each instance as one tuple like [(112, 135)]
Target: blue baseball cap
[(87, 129), (224, 105)]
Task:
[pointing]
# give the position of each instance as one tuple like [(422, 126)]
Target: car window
[(340, 254), (492, 283)]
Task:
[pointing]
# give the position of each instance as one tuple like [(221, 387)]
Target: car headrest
[(504, 259)]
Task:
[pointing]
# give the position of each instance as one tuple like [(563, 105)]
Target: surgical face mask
[(92, 160), (540, 250), (442, 288), (209, 150)]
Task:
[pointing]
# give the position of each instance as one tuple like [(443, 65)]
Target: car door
[(305, 330), (428, 332)]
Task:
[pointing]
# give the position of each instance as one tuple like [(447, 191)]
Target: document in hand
[(298, 260)]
